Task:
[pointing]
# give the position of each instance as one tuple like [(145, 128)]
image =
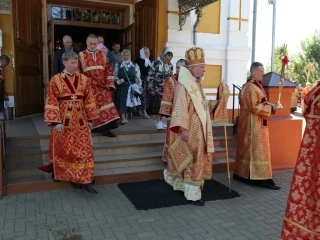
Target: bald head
[(67, 42)]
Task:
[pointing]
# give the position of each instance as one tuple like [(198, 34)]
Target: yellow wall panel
[(162, 36), (210, 22), (6, 27), (212, 76)]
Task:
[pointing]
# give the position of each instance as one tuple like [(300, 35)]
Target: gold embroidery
[(74, 165), (74, 97), (166, 103), (52, 115), (302, 227), (90, 105), (93, 68), (83, 62), (194, 91), (106, 106), (52, 107)]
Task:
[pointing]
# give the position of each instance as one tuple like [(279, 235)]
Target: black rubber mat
[(158, 194)]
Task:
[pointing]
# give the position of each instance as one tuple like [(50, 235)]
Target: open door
[(28, 80), (50, 37), (146, 25), (128, 40)]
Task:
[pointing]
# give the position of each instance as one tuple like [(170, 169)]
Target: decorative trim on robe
[(200, 103)]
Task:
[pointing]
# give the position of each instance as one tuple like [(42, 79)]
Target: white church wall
[(229, 48)]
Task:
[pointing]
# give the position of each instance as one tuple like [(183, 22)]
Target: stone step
[(122, 136), (96, 138), (21, 156), (30, 168), (219, 165)]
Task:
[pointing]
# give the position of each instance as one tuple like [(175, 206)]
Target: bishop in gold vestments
[(253, 160), (190, 151)]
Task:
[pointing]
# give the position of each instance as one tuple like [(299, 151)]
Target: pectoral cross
[(204, 103), (194, 91), (240, 19)]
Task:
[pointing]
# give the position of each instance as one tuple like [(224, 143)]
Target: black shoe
[(271, 185), (274, 187), (110, 135), (241, 179), (89, 188), (76, 185), (52, 176), (200, 202)]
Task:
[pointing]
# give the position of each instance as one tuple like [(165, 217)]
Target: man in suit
[(67, 43)]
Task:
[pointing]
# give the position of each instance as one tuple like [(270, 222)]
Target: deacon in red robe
[(167, 102), (302, 217), (95, 65), (69, 111)]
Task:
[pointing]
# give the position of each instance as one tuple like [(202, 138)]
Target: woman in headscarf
[(126, 73), (161, 69), (144, 64)]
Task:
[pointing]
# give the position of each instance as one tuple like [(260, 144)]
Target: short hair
[(255, 65), (92, 36), (170, 54), (69, 55), (65, 38), (99, 36), (115, 43), (125, 51), (183, 61), (5, 58)]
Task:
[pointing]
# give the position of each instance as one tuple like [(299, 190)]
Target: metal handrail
[(233, 100)]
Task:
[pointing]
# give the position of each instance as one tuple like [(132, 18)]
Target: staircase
[(135, 154)]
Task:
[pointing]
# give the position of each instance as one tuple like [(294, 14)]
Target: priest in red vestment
[(95, 65), (302, 217), (167, 102), (69, 111)]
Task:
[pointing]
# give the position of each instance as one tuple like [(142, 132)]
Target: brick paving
[(76, 215)]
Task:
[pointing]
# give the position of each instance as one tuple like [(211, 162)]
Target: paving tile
[(256, 215)]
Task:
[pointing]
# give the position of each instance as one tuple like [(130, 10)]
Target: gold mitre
[(195, 56)]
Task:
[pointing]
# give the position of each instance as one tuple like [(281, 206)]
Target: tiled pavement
[(76, 215)]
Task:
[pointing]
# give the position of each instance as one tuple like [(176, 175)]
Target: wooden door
[(128, 40), (28, 90), (51, 49), (146, 25)]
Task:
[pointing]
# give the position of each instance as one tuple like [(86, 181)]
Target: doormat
[(157, 193)]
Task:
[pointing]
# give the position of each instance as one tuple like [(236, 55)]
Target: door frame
[(15, 36), (46, 16)]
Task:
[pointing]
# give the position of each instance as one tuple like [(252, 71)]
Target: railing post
[(233, 96)]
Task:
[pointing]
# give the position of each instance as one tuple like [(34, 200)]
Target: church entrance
[(80, 21), (79, 35), (38, 34)]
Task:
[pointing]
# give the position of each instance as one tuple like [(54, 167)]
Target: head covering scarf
[(163, 54), (164, 66), (147, 61)]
